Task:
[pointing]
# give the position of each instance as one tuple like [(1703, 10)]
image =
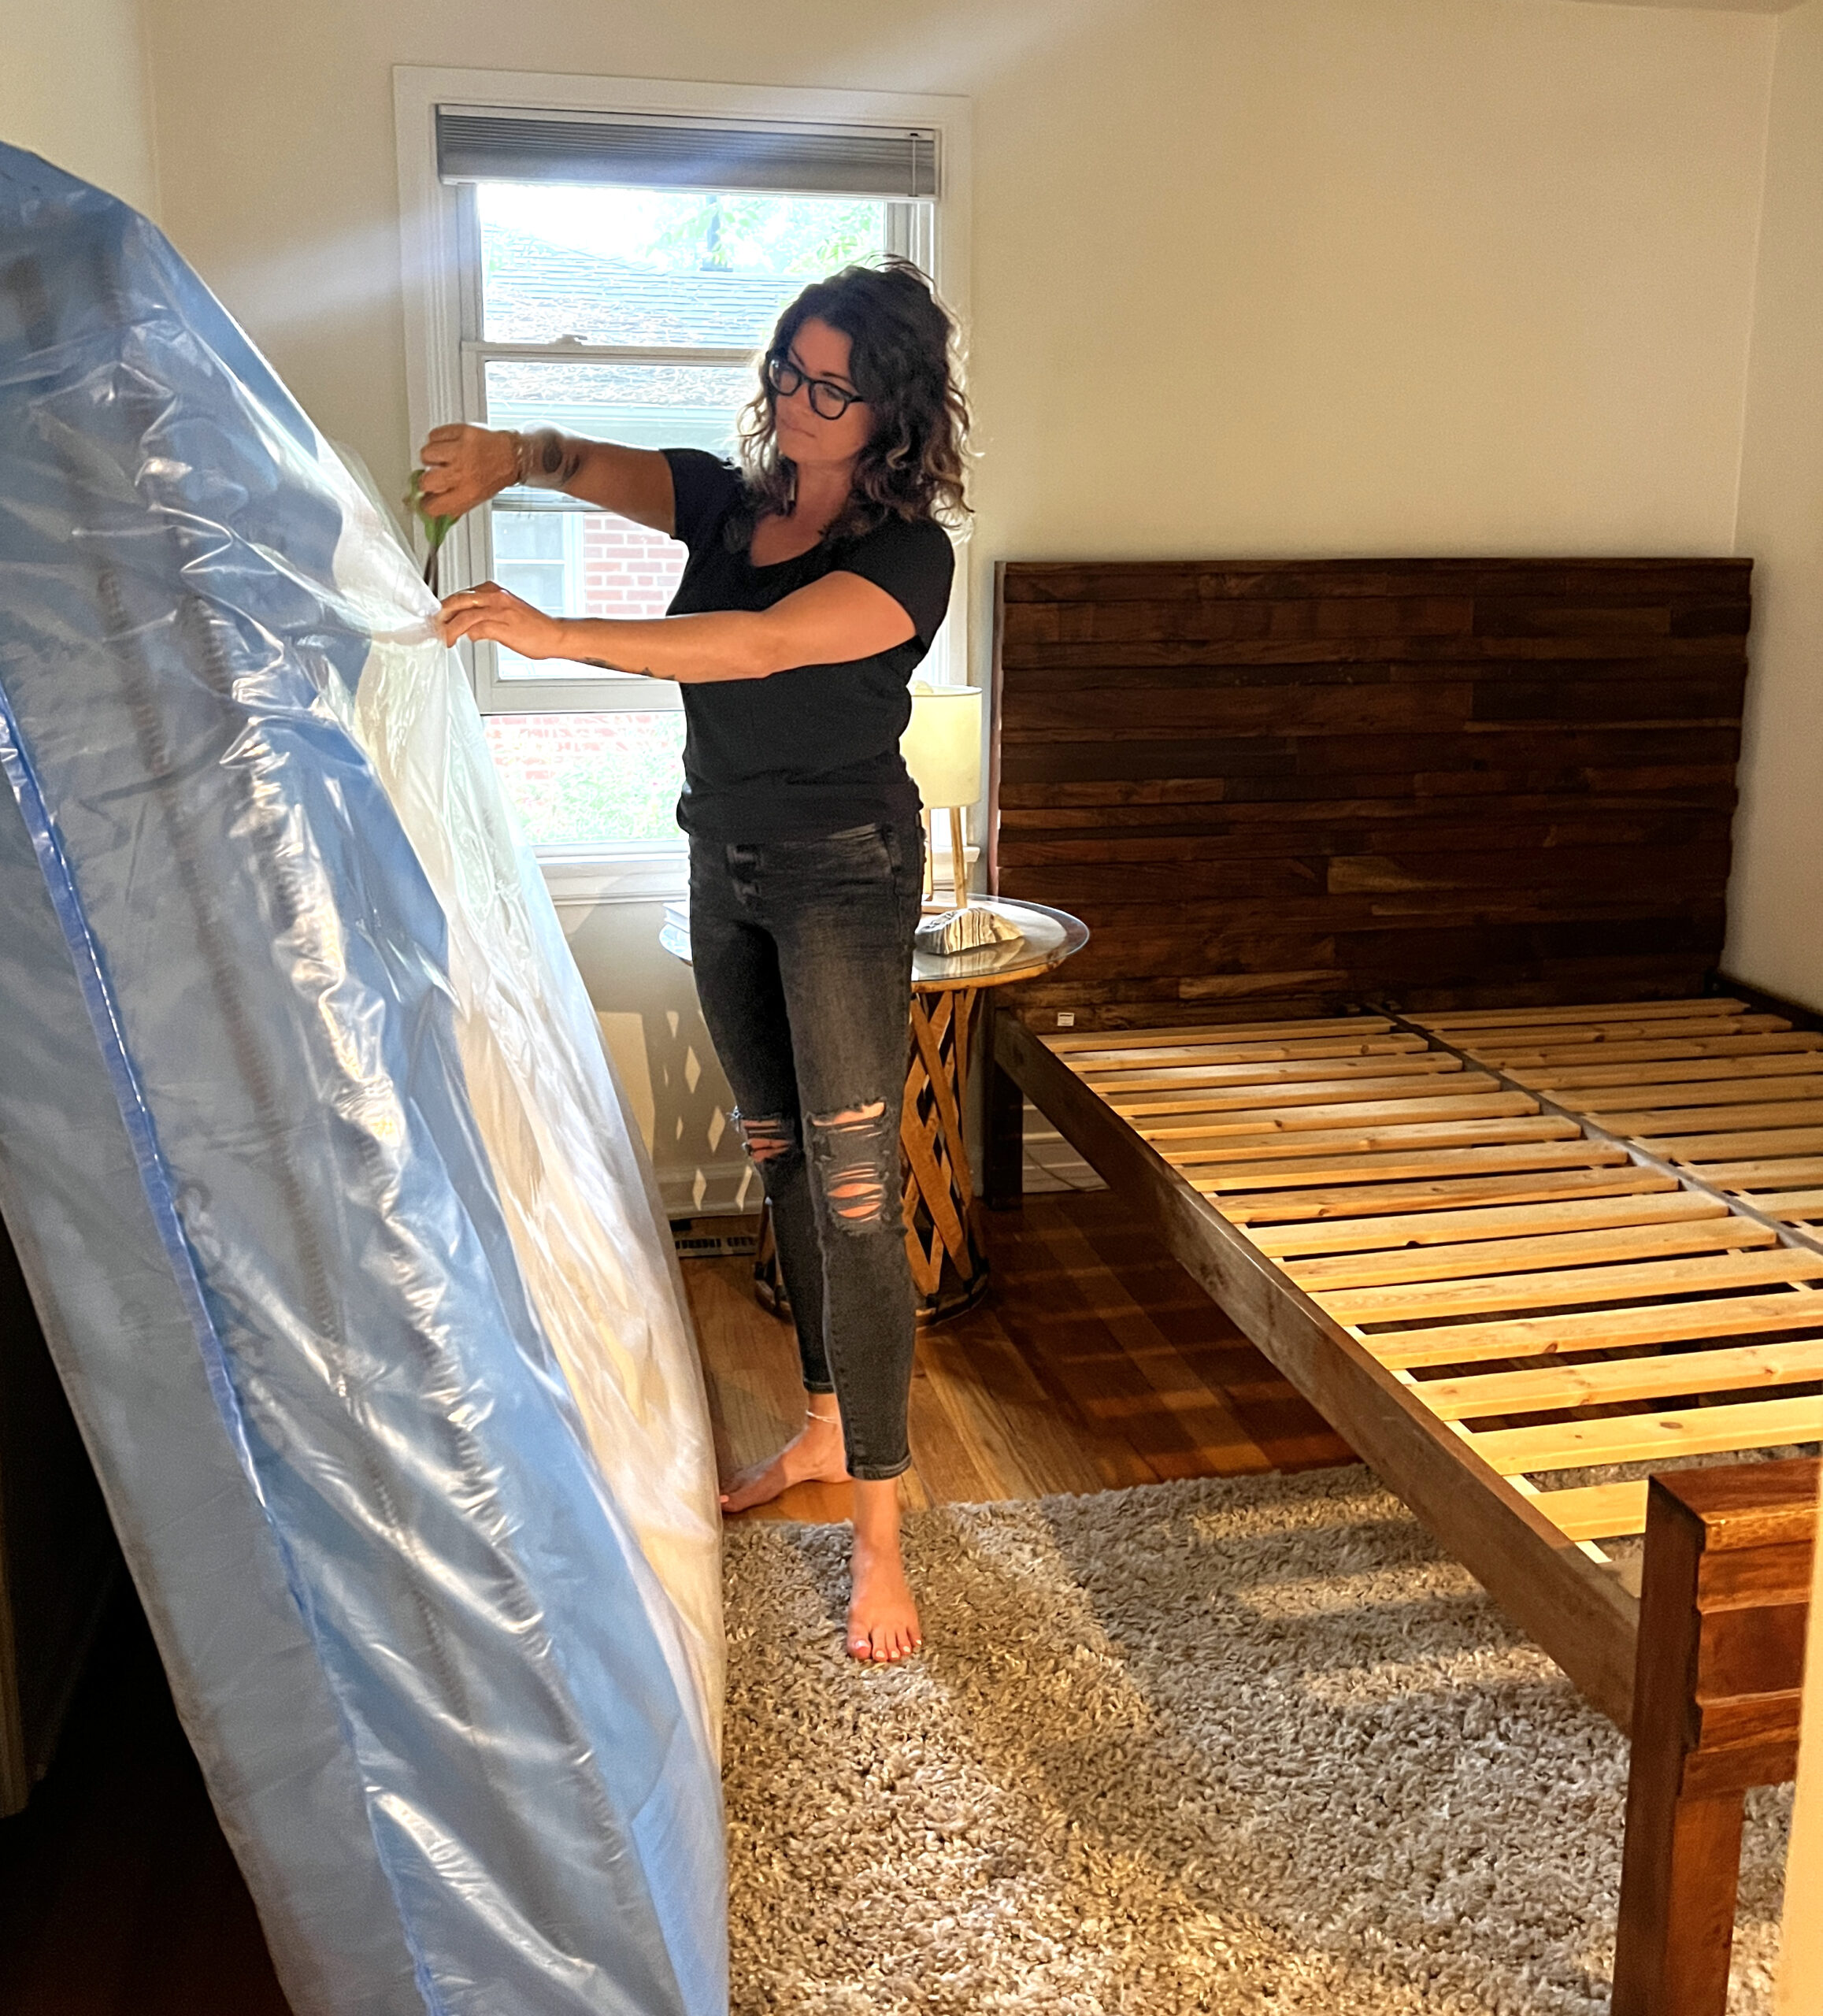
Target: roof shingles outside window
[(538, 292)]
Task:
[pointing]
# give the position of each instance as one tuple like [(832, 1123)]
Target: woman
[(818, 575)]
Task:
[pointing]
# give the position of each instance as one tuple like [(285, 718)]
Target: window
[(609, 258)]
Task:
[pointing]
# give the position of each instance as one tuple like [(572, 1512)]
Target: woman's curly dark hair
[(905, 362)]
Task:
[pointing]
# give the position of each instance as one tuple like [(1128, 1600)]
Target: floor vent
[(694, 1245)]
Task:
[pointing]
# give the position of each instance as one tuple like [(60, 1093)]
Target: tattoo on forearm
[(637, 671), (548, 460)]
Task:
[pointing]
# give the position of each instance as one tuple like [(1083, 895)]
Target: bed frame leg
[(1677, 1894), (1002, 1175), (1716, 1695), (1681, 1865)]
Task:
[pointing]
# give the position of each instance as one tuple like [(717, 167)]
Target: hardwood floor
[(1095, 1362), (118, 1894)]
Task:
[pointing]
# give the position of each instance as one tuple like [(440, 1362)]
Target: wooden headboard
[(1282, 786)]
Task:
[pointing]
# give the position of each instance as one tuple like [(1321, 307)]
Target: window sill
[(577, 876)]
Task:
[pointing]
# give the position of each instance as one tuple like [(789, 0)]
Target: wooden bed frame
[(1351, 850)]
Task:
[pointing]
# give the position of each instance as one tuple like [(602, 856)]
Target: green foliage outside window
[(578, 780)]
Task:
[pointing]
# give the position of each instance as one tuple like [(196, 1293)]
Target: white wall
[(1776, 897), (73, 88)]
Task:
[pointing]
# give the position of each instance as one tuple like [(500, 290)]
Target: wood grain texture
[(118, 1895), (1403, 1266), (1602, 1329), (1311, 783)]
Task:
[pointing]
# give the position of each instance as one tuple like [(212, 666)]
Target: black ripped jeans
[(802, 955)]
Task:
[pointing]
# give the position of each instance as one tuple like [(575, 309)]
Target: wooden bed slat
[(1248, 1146), (1596, 1511), (1749, 1175), (1500, 1045), (1431, 1115), (1304, 1168), (1641, 1052), (1561, 1288), (1421, 1065), (1407, 1266), (1609, 1174), (1208, 1056), (1321, 1092), (1126, 1067), (1677, 1121), (1648, 1438), (1453, 1022), (1792, 1205), (1600, 1329), (1399, 1238), (1217, 1032), (1762, 1143), (1698, 1069), (1625, 1379), (1614, 1107)]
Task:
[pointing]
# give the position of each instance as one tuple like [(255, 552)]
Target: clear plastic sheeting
[(346, 1252)]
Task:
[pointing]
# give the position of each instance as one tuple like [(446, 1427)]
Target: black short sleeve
[(704, 489), (913, 560)]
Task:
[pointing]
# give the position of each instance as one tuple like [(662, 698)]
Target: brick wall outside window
[(581, 778), (627, 570)]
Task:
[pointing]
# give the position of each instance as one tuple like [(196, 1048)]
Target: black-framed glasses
[(828, 401)]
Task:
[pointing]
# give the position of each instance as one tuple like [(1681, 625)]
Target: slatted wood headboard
[(1286, 786)]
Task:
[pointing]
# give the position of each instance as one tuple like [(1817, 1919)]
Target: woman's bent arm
[(839, 617)]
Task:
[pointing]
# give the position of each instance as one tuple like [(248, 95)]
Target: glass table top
[(1047, 937)]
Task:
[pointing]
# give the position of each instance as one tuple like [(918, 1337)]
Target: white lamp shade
[(942, 748)]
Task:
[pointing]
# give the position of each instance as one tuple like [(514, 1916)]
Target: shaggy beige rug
[(1251, 1745)]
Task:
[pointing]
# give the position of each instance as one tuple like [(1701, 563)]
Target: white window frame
[(434, 223)]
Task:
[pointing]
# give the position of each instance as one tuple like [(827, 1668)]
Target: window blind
[(888, 162)]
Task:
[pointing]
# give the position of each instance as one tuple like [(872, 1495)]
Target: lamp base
[(958, 856)]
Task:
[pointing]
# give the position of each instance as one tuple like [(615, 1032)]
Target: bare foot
[(813, 1454), (882, 1619)]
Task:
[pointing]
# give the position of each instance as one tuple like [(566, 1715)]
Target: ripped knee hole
[(765, 1139), (850, 1150)]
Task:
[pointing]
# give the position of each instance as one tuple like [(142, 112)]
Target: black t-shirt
[(806, 752)]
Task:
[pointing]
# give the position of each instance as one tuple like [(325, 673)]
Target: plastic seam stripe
[(141, 1133)]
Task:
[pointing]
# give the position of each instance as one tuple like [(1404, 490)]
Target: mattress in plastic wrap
[(347, 1254)]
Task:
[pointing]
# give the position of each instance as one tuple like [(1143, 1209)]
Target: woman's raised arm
[(464, 466)]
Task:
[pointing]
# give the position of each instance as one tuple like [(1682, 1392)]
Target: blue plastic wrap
[(344, 1248)]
